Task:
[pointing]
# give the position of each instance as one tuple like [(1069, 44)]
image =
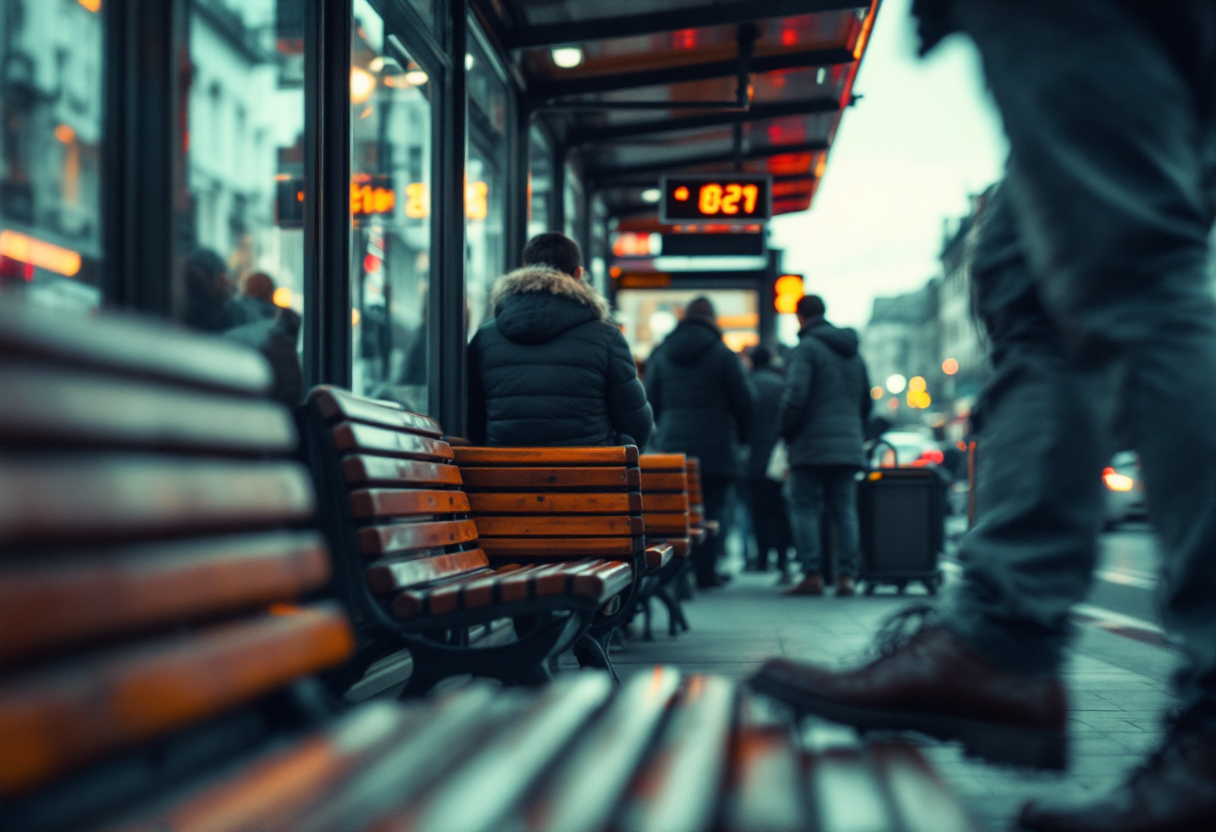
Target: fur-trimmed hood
[(534, 305)]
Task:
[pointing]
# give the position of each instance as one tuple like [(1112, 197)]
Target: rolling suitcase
[(902, 514)]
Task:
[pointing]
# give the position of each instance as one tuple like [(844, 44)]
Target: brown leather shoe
[(844, 586), (932, 682), (1173, 791), (812, 584)]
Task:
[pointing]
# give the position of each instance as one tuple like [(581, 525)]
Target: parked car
[(1124, 490)]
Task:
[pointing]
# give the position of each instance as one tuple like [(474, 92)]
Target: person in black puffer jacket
[(550, 368), (822, 416), (703, 406)]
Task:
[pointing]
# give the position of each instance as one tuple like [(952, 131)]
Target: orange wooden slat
[(95, 498), (517, 586), (670, 482), (626, 455), (652, 501), (332, 403), (385, 578), (351, 437), (659, 555), (405, 537), (364, 468), (556, 579), (56, 600), (479, 592), (621, 502), (560, 525), (606, 580), (662, 462), (568, 548), (396, 502), (529, 479), (54, 720), (666, 523)]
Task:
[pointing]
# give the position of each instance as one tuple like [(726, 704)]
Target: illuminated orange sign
[(477, 200), (727, 198), (417, 200), (35, 252), (372, 195), (789, 291)]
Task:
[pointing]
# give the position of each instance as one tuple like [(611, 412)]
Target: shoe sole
[(987, 741)]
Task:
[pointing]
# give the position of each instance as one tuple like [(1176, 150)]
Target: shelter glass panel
[(540, 181), (575, 209), (485, 204), (242, 235), (391, 146), (50, 152)]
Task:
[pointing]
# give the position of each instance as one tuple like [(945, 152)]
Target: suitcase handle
[(872, 446)]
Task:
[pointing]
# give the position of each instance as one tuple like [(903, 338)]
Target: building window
[(485, 211), (50, 152), (241, 241), (390, 214)]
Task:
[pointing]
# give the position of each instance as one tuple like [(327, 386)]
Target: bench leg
[(590, 652), (675, 614)]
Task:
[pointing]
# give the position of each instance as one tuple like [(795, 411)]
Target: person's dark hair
[(207, 290), (811, 306), (701, 308), (761, 356), (555, 250)]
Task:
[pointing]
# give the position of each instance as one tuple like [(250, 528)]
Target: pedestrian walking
[(822, 415), (770, 524), (1092, 280), (703, 407)]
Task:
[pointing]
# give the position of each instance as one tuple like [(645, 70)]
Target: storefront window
[(484, 193), (242, 239), (540, 182), (50, 151), (390, 214)]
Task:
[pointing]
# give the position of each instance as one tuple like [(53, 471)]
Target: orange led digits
[(727, 199)]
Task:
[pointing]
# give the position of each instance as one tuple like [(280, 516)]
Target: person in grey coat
[(770, 524), (822, 417)]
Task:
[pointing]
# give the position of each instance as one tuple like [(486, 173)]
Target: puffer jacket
[(551, 369), (768, 383), (826, 401), (701, 397)]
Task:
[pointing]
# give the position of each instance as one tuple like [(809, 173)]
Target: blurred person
[(822, 417), (211, 304), (551, 368), (1092, 280), (274, 331), (770, 524), (703, 407)]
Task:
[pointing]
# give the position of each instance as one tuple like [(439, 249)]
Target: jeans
[(808, 488), (1091, 277), (770, 524)]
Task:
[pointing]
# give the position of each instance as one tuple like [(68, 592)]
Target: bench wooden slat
[(666, 523), (765, 782), (54, 720), (334, 403), (514, 759), (392, 502), (479, 592), (680, 546), (362, 468), (131, 347), (574, 547), (528, 479), (561, 525), (659, 555), (605, 580), (517, 586), (676, 483), (626, 455), (351, 437), (584, 791), (678, 790), (846, 792), (662, 462), (652, 501), (45, 404), (388, 577), (490, 502), (54, 600), (446, 596), (405, 537), (919, 796), (52, 498)]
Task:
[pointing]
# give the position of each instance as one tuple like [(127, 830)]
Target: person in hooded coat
[(703, 407), (550, 368), (822, 416), (770, 525)]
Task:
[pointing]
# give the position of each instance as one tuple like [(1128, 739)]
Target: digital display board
[(728, 198)]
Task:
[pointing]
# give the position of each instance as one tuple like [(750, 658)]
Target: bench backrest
[(150, 555), (665, 499), (543, 504), (696, 502)]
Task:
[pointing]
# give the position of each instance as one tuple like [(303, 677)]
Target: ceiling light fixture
[(567, 57)]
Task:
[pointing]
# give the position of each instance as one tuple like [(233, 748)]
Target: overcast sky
[(922, 140)]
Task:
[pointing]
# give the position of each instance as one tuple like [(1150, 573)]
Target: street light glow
[(896, 384), (652, 195), (362, 84), (950, 366), (567, 57)]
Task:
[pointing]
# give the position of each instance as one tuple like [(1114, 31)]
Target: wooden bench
[(151, 559), (667, 510), (541, 505), (417, 572)]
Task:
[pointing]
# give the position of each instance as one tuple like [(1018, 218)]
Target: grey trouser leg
[(1109, 106), (838, 488)]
